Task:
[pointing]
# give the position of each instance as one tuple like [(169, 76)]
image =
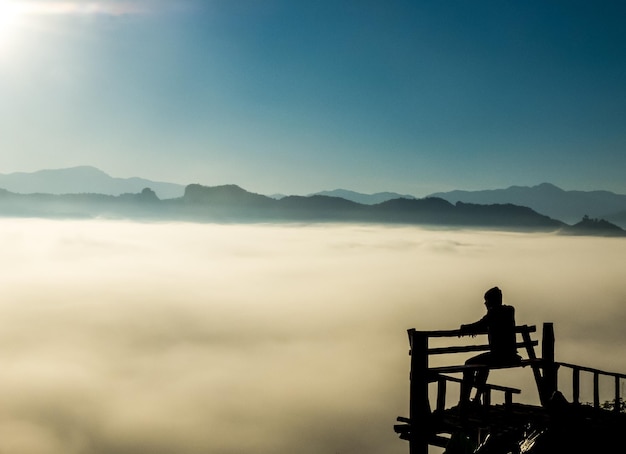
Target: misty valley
[(121, 336)]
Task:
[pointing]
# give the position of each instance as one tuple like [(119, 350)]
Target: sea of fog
[(121, 337)]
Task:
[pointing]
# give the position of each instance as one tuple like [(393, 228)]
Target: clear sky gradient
[(283, 96)]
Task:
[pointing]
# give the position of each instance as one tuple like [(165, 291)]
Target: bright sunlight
[(9, 14), (12, 17)]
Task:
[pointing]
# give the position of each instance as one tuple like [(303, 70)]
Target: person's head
[(493, 297)]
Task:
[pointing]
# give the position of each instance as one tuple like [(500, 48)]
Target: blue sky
[(295, 97)]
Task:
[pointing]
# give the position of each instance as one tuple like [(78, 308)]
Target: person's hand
[(464, 332)]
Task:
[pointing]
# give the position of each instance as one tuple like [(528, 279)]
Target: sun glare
[(10, 16), (16, 14), (9, 13)]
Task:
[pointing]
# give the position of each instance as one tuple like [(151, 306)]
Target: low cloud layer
[(123, 338)]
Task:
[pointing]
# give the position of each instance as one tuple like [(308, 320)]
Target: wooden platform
[(562, 425), (477, 420), (571, 428)]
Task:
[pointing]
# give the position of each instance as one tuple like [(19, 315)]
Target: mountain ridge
[(366, 199), (545, 198), (83, 179), (233, 204)]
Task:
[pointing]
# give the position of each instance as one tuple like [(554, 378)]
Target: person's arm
[(476, 327)]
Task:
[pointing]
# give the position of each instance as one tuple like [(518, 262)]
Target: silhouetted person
[(499, 323)]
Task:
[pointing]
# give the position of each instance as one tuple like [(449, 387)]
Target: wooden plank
[(437, 377), (439, 441), (475, 348), (401, 428), (458, 332), (460, 368)]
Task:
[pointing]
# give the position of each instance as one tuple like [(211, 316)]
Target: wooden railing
[(576, 370), (420, 414), (421, 428)]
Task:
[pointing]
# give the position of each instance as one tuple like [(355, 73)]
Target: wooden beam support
[(617, 404), (441, 393), (576, 385), (549, 366), (419, 406), (596, 390)]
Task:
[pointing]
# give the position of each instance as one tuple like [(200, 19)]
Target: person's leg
[(466, 386), (475, 378), (480, 381), (489, 359)]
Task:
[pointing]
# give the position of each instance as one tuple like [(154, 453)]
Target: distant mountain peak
[(548, 187), (366, 199), (595, 226), (91, 169), (223, 194), (80, 180)]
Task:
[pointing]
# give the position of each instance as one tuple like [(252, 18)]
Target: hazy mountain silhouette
[(568, 206), (227, 195), (231, 203), (83, 179), (88, 192), (589, 226), (547, 199), (617, 218), (366, 199), (128, 206)]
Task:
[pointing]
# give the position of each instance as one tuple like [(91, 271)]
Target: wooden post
[(596, 390), (441, 394), (487, 397), (576, 385), (549, 366), (530, 351), (419, 407), (508, 400), (617, 406)]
